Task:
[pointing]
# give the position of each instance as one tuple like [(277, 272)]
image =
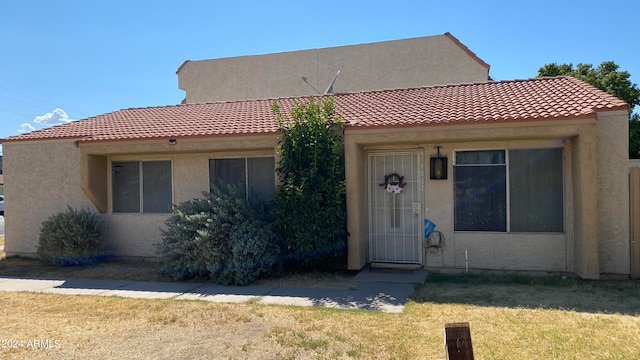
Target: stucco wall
[(47, 176), (41, 179), (44, 177), (498, 251), (612, 130), (405, 63)]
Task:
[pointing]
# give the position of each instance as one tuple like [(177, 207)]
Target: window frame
[(246, 169), (140, 163), (507, 165)]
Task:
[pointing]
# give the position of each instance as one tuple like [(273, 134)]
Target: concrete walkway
[(380, 290)]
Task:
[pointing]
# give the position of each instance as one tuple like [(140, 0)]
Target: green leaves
[(73, 237), (223, 237), (310, 202), (606, 77)]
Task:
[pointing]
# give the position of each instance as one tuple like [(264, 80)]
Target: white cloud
[(25, 128), (57, 116)]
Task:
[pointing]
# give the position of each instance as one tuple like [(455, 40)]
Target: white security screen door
[(395, 207)]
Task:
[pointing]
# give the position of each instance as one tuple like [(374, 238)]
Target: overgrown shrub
[(74, 237), (310, 206), (222, 237)]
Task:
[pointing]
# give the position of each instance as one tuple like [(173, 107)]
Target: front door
[(395, 203)]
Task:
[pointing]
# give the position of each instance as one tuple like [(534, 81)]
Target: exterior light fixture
[(172, 141), (438, 166)]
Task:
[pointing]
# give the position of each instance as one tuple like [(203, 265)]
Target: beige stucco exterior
[(79, 175), (44, 177), (596, 193), (430, 60), (595, 240)]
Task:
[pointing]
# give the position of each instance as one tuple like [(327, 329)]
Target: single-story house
[(527, 175)]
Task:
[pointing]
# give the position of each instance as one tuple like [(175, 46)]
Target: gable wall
[(405, 63)]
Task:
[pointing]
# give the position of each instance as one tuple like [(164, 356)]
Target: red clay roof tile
[(516, 100)]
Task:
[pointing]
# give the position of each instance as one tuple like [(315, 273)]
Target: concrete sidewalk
[(380, 290)]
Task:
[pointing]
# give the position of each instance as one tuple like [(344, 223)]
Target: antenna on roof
[(330, 87)]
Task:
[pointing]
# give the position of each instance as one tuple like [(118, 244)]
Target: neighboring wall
[(431, 60)]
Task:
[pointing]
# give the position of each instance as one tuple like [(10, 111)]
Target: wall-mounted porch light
[(438, 166)]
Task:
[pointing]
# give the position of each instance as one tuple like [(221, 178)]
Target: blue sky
[(68, 59)]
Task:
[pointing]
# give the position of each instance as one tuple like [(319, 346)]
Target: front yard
[(510, 317)]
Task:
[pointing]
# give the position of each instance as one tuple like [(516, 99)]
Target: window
[(255, 174), (142, 185), (509, 190)]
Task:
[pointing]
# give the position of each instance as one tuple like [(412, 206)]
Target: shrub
[(222, 237), (310, 206), (74, 237)]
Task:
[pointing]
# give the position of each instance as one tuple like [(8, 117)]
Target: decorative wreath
[(393, 183)]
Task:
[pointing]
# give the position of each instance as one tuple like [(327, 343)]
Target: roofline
[(613, 106), (467, 50), (184, 63), (89, 139), (446, 34), (157, 138), (462, 122)]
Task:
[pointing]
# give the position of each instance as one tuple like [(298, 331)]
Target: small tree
[(310, 203)]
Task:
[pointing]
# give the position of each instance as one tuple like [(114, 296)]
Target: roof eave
[(464, 122)]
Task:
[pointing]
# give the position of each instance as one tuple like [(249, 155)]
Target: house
[(527, 175)]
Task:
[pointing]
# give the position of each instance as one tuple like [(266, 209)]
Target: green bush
[(74, 237), (310, 203), (222, 237)]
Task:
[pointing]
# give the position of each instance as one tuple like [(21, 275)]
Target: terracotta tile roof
[(517, 100), (504, 101)]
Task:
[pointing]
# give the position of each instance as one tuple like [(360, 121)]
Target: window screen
[(151, 179), (256, 175), (126, 187), (156, 186), (533, 179), (480, 191)]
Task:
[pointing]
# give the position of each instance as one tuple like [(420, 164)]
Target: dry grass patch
[(142, 329), (114, 270), (149, 271), (540, 319)]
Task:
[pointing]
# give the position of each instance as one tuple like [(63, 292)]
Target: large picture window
[(255, 174), (509, 190), (141, 187)]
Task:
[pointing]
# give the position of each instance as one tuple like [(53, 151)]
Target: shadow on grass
[(27, 267), (519, 291)]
